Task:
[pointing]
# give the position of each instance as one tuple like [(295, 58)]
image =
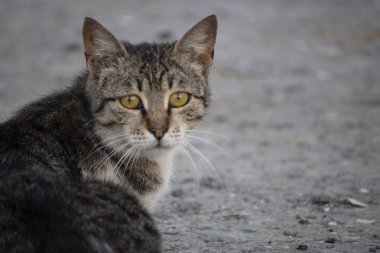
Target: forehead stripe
[(139, 84), (161, 76)]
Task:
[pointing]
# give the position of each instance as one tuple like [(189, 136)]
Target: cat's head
[(148, 95)]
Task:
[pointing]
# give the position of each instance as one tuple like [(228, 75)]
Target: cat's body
[(78, 167)]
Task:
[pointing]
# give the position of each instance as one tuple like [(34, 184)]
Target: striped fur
[(78, 170)]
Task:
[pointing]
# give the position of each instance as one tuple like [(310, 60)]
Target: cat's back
[(46, 132)]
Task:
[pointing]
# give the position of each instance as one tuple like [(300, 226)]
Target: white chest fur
[(164, 160), (162, 157)]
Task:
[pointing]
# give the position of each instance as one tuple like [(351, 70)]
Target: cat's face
[(152, 106), (148, 96)]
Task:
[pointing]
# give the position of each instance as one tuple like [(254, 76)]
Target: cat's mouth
[(160, 145), (152, 143)]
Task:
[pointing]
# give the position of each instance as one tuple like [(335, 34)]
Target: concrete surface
[(296, 100)]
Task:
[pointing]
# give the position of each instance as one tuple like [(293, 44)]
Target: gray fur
[(152, 71), (77, 168)]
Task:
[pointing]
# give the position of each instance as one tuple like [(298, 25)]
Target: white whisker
[(123, 158), (134, 155), (205, 160), (131, 155), (188, 155), (207, 132), (209, 142), (88, 122), (110, 155), (101, 145)]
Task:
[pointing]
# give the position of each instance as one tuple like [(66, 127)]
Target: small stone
[(290, 233), (211, 183), (302, 247), (303, 221), (234, 216), (330, 240), (365, 221), (321, 199), (178, 193), (364, 190), (332, 223), (355, 202)]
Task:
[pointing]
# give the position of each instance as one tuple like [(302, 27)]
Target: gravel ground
[(296, 114)]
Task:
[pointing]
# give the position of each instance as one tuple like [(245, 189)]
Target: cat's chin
[(160, 146)]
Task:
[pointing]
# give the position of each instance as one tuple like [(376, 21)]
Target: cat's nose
[(158, 132)]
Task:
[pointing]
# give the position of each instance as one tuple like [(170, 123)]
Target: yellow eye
[(131, 102), (179, 99)]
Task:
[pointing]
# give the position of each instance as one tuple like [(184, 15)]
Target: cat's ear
[(199, 42), (100, 47)]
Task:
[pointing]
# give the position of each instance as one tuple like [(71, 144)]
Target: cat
[(81, 168)]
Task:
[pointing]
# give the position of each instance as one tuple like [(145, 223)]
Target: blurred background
[(292, 139)]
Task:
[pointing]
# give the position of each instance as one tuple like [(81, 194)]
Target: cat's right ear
[(101, 48), (199, 41)]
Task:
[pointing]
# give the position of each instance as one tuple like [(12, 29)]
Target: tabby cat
[(80, 167)]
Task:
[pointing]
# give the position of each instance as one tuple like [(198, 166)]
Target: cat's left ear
[(199, 42), (101, 48)]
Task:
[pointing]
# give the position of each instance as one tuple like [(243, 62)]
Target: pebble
[(178, 193), (364, 190), (302, 247), (332, 223), (365, 221), (234, 216), (321, 199), (355, 202), (211, 183), (290, 233), (330, 240)]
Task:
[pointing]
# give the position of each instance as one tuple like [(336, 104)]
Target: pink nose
[(158, 132)]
